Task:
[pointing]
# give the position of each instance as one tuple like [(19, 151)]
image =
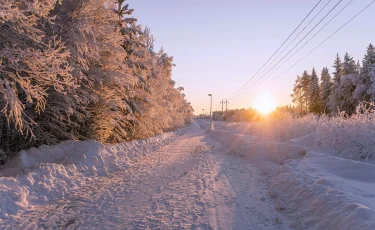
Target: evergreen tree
[(33, 65), (333, 100), (76, 69), (314, 93), (348, 66), (305, 84), (342, 93), (297, 94), (364, 84), (325, 87), (337, 69)]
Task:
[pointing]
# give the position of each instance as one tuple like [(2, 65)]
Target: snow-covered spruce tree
[(137, 61), (314, 94), (333, 100), (115, 63), (337, 65), (90, 30), (325, 89), (32, 65), (305, 84), (365, 88), (144, 64), (169, 108), (76, 69), (297, 94), (342, 93)]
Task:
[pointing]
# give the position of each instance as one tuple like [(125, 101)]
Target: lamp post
[(210, 111)]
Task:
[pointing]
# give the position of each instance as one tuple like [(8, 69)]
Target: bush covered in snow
[(286, 127), (353, 137), (282, 127)]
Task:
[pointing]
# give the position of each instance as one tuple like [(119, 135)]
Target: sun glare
[(264, 103)]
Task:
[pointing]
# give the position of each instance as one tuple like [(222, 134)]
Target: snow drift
[(326, 192), (318, 190), (46, 173)]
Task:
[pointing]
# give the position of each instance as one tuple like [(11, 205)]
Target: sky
[(219, 45)]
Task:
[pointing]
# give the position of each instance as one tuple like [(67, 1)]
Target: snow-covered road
[(194, 182)]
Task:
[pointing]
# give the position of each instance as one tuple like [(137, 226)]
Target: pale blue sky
[(218, 45)]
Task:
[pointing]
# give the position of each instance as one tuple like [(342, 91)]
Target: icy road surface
[(193, 183)]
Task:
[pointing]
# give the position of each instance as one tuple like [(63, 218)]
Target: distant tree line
[(236, 115), (82, 69), (350, 83)]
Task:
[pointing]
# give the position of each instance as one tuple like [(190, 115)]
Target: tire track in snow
[(250, 189)]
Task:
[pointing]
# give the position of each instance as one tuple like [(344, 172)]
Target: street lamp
[(210, 111)]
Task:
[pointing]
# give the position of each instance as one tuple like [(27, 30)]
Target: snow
[(192, 183), (329, 192), (39, 175), (189, 179), (317, 189)]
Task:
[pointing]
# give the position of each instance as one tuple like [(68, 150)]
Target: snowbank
[(51, 172), (326, 192), (318, 190)]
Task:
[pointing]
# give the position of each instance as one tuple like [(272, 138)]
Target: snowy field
[(233, 177)]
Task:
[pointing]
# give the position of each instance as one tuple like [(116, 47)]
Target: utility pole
[(210, 111), (222, 105), (226, 105), (202, 118)]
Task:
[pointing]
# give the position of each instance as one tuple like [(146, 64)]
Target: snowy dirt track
[(194, 182)]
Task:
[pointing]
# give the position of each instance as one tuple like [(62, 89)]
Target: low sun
[(264, 103)]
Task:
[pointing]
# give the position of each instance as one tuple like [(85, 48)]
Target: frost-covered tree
[(301, 95), (337, 66), (305, 84), (325, 89), (170, 109), (314, 93), (297, 94), (90, 30), (365, 85), (342, 93), (32, 64), (80, 69), (333, 100), (348, 66)]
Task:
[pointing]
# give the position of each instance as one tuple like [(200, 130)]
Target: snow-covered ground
[(47, 173), (192, 183), (189, 179), (317, 189)]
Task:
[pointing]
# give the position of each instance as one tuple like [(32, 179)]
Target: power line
[(297, 35), (276, 50), (289, 51), (325, 25), (264, 75), (351, 19)]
